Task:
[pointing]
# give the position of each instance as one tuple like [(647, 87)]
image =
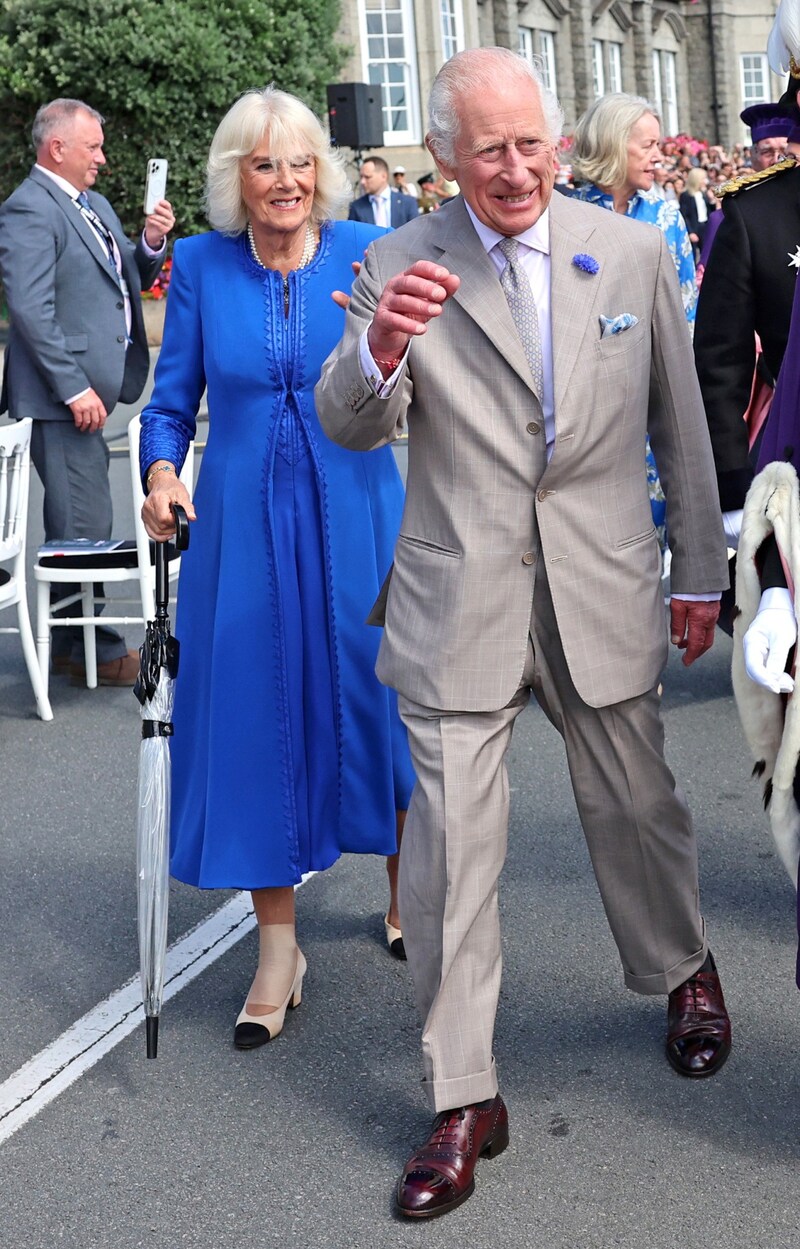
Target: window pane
[(452, 25), (615, 67), (755, 79), (598, 75), (547, 51), (658, 98), (670, 92), (389, 48)]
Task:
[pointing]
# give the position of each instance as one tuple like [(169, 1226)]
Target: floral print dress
[(648, 206)]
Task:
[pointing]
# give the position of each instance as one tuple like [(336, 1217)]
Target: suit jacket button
[(120, 304), (533, 427), (542, 495), (528, 557), (120, 338)]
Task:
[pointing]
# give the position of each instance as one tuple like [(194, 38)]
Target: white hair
[(600, 141), (293, 130), (480, 70)]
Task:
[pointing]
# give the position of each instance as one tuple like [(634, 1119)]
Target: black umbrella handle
[(181, 542)]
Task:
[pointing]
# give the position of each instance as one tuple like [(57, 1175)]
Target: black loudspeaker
[(355, 115)]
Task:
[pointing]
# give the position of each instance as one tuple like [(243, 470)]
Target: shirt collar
[(592, 194), (386, 193), (65, 186), (536, 237)]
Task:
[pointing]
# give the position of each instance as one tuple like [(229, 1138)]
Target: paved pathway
[(300, 1143)]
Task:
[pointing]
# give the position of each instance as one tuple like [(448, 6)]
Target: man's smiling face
[(504, 156)]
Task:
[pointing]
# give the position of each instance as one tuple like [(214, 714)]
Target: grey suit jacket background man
[(527, 561), (77, 343), (374, 178)]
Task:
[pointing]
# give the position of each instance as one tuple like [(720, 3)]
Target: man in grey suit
[(380, 205), (528, 342), (77, 344)]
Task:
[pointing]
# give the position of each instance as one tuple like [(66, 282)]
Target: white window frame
[(547, 52), (451, 17), (527, 44), (614, 66), (539, 47), (374, 69), (658, 97), (598, 69), (752, 67), (669, 93)]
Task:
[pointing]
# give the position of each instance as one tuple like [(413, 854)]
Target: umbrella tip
[(151, 1024)]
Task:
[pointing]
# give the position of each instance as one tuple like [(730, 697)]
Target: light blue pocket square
[(615, 325)]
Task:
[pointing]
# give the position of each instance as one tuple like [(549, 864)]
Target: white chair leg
[(43, 631), (31, 660), (89, 640)]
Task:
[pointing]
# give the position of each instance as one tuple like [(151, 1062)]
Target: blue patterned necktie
[(517, 288), (102, 230)]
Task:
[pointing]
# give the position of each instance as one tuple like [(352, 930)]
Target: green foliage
[(162, 73)]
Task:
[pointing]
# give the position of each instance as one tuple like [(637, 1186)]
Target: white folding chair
[(134, 562), (15, 473)]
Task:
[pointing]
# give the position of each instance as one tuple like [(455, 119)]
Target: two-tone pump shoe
[(254, 1030), (394, 939)]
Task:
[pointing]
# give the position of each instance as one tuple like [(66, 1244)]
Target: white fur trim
[(770, 723)]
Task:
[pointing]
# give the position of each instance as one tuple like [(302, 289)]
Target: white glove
[(732, 524), (767, 642)]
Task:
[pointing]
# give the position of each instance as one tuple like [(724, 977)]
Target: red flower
[(161, 285)]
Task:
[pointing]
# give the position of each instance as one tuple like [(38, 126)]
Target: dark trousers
[(73, 469)]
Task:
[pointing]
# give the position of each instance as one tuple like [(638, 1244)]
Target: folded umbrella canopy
[(155, 690)]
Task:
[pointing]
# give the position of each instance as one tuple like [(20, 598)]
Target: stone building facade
[(700, 61)]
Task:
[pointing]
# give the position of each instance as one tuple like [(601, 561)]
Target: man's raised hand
[(410, 300)]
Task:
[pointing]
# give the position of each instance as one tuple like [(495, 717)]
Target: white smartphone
[(156, 185)]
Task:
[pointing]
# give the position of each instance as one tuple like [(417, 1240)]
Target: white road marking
[(59, 1065)]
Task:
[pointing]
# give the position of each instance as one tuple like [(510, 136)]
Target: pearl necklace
[(309, 247)]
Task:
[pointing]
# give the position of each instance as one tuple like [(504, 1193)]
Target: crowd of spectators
[(679, 156)]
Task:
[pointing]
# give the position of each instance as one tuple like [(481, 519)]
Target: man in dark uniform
[(747, 289)]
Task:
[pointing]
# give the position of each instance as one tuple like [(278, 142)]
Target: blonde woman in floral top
[(615, 153)]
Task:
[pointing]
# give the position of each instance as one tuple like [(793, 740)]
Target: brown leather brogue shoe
[(122, 671), (439, 1176), (698, 1027)]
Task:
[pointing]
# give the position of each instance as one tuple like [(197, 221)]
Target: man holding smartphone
[(77, 344)]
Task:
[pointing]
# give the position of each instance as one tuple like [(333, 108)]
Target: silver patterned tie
[(517, 288)]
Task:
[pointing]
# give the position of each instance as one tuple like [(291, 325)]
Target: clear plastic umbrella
[(155, 689)]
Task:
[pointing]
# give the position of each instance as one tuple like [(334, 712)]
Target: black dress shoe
[(440, 1175), (698, 1027)]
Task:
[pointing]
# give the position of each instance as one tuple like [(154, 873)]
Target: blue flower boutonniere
[(586, 262)]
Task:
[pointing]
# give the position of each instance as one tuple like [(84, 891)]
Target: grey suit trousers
[(637, 828)]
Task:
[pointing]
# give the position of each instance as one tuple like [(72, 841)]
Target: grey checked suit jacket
[(66, 308), (483, 508)]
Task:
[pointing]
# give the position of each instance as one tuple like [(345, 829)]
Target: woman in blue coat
[(287, 752)]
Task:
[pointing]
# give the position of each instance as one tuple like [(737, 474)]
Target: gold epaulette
[(743, 181)]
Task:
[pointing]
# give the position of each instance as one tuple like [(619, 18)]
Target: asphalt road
[(300, 1143)]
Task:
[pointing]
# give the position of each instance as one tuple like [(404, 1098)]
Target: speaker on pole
[(355, 114)]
